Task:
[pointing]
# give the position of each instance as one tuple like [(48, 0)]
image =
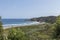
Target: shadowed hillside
[(48, 19)]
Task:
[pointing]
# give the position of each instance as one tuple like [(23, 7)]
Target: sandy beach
[(20, 25)]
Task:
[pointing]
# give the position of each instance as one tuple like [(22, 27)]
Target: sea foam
[(19, 25)]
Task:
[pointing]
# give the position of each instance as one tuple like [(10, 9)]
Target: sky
[(29, 8)]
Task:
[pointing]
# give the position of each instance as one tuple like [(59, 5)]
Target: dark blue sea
[(15, 21), (7, 23)]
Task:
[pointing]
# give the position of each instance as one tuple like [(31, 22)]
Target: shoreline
[(20, 25)]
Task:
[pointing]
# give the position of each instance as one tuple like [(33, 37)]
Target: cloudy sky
[(29, 8)]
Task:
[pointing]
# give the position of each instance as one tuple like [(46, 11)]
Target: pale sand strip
[(20, 25)]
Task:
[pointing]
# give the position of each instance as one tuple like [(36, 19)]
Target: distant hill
[(48, 19)]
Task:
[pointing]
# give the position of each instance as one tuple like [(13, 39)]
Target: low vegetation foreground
[(47, 31)]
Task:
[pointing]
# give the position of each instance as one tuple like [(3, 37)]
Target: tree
[(1, 30), (57, 30)]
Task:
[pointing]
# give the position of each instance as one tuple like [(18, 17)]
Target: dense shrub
[(57, 30), (16, 34), (1, 30)]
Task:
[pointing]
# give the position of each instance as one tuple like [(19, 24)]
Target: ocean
[(14, 21), (8, 23)]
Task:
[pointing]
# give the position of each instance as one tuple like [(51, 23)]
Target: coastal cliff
[(48, 19)]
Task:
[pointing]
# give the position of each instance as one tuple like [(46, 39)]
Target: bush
[(16, 34), (1, 30)]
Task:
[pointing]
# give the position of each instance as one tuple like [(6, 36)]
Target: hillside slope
[(49, 19)]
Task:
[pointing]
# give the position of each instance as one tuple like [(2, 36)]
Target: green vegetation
[(45, 31), (33, 32), (57, 30), (47, 19), (15, 34), (1, 30)]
